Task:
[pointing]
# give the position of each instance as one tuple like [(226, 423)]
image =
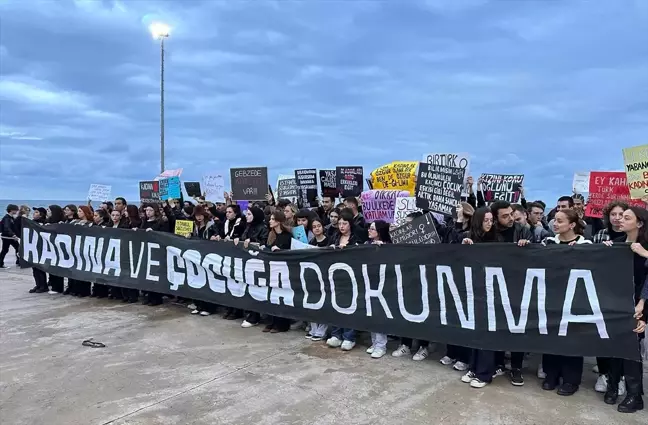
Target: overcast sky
[(543, 88)]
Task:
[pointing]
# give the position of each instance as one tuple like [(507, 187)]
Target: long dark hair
[(133, 215), (382, 228), (74, 210), (642, 217), (56, 214), (477, 233), (280, 218), (573, 217), (608, 210)]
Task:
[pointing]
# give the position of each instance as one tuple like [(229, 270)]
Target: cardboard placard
[(306, 180), (404, 206), (419, 231), (250, 183), (183, 227), (502, 187), (580, 184), (380, 204), (636, 168), (99, 192), (328, 183), (397, 175), (193, 189), (299, 233), (149, 191), (170, 188), (349, 181), (438, 188), (461, 160), (287, 188), (605, 187), (214, 186)]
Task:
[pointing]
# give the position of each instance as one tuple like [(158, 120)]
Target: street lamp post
[(161, 31)]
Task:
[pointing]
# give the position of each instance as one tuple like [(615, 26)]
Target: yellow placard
[(397, 175), (636, 167), (183, 227)]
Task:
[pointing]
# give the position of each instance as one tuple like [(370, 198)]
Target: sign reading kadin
[(149, 191), (636, 168), (249, 183)]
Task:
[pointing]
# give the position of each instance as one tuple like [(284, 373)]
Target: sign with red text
[(636, 168), (605, 187), (249, 183), (350, 181), (380, 204)]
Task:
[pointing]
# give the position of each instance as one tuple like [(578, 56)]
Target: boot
[(631, 404), (612, 393)]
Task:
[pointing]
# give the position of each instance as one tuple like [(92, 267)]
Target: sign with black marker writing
[(350, 181), (501, 187), (250, 184), (461, 160), (306, 180), (419, 231), (438, 188)]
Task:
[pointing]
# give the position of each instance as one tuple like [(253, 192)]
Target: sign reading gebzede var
[(569, 300), (249, 183)]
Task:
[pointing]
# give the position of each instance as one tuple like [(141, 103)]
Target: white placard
[(581, 182), (450, 160), (406, 205), (99, 192), (213, 186)]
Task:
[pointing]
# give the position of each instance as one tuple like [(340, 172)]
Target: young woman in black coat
[(153, 223), (40, 277), (54, 216)]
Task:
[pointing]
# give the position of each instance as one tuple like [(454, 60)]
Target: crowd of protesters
[(268, 225)]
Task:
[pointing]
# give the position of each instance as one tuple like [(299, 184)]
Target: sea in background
[(42, 203)]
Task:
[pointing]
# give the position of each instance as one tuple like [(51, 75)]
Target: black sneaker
[(516, 377)]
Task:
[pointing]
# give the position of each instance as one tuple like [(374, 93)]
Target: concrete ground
[(163, 366)]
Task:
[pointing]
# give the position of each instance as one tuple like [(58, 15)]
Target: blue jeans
[(343, 334)]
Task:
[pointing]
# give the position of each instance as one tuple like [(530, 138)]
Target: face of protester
[(351, 205), (150, 212), (49, 213), (229, 214), (301, 221), (249, 216), (37, 215), (334, 218), (487, 224), (578, 205), (318, 229), (616, 215), (199, 218), (288, 212), (629, 222), (119, 205), (104, 206), (68, 212), (115, 216), (520, 218), (561, 224), (81, 215), (344, 227), (562, 205), (536, 215), (273, 223), (14, 213), (373, 234), (327, 203), (97, 218), (505, 217)]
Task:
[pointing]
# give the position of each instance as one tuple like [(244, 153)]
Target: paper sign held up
[(99, 192)]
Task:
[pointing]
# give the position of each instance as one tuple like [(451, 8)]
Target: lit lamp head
[(159, 30)]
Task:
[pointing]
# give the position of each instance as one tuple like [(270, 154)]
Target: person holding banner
[(634, 224), (319, 239), (332, 228), (378, 234), (55, 215), (569, 230), (279, 238), (40, 277), (71, 215), (82, 288), (153, 223), (255, 233)]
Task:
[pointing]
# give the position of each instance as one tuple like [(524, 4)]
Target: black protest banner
[(149, 191), (349, 181), (328, 183), (287, 188), (438, 187), (307, 185), (419, 231), (249, 184), (569, 300), (501, 187), (193, 189)]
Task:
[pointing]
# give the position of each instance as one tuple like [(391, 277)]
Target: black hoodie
[(257, 230)]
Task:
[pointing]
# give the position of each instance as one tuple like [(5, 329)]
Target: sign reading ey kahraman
[(605, 187), (501, 187), (568, 300), (636, 168), (438, 188), (249, 183)]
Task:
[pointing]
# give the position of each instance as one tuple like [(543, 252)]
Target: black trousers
[(603, 364), (83, 288), (99, 290), (205, 306), (280, 323), (516, 360), (6, 243), (154, 298), (253, 317), (631, 370), (461, 354), (40, 279), (570, 369), (482, 364), (408, 342), (56, 283), (129, 294)]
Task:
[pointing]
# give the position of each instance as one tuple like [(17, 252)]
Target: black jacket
[(9, 226), (256, 233), (233, 228), (521, 232)]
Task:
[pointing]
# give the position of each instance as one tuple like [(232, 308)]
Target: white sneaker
[(595, 369), (316, 338), (195, 311), (478, 383), (247, 324), (541, 373), (370, 350), (499, 372), (601, 384), (348, 345), (460, 366), (205, 313), (52, 292), (378, 353), (468, 377), (191, 306), (401, 351), (334, 342), (421, 354), (622, 387), (446, 361)]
